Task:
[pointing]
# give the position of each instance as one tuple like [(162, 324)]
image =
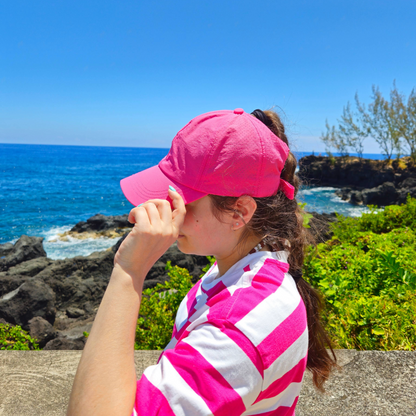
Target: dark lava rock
[(340, 172), (30, 267), (356, 198), (79, 280), (71, 289), (26, 248), (5, 249), (41, 330), (74, 312), (10, 283), (157, 274), (408, 183), (354, 172), (65, 343), (385, 194), (32, 298), (101, 222), (407, 187)]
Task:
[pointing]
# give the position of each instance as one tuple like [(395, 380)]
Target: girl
[(247, 331)]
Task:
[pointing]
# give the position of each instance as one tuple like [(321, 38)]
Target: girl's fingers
[(153, 212), (157, 210), (139, 215), (179, 211), (164, 209)]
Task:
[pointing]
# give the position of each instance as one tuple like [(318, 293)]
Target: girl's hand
[(156, 228)]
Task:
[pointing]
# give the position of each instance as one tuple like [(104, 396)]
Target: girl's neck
[(225, 263)]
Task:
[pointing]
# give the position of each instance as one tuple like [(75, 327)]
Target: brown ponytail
[(279, 222)]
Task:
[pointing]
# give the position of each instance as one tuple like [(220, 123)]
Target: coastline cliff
[(362, 181)]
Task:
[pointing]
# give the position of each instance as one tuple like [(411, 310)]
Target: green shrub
[(373, 323), (158, 309), (377, 220), (15, 338), (367, 276), (159, 306)]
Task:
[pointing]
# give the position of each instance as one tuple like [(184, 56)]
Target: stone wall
[(370, 383)]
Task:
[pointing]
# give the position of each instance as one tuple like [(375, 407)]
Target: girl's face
[(203, 234)]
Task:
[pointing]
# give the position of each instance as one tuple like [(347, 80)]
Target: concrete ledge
[(370, 383)]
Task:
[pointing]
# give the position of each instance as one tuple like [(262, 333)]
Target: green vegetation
[(367, 276), (15, 338), (159, 307)]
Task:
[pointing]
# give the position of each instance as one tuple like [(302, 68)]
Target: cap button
[(238, 111)]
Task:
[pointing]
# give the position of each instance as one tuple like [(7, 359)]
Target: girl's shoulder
[(261, 289)]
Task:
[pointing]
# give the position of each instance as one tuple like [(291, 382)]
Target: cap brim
[(152, 183)]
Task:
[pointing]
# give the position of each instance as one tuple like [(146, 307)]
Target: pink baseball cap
[(227, 153)]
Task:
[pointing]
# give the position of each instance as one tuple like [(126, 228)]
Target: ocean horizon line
[(376, 156)]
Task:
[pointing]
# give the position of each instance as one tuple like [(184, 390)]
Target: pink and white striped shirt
[(239, 345)]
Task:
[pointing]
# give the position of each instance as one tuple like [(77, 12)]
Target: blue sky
[(132, 73)]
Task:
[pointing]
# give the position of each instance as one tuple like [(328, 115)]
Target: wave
[(319, 189), (323, 199), (58, 249), (72, 247)]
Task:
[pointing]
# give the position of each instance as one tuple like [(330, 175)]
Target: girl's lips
[(180, 236)]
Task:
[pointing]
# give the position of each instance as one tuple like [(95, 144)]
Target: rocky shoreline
[(57, 300), (362, 182)]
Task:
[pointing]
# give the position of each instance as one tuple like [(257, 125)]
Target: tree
[(380, 121), (350, 134), (333, 140), (352, 129), (405, 119), (392, 124)]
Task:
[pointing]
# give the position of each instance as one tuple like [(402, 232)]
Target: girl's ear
[(244, 208)]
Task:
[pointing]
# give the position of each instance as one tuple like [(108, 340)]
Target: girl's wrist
[(131, 280)]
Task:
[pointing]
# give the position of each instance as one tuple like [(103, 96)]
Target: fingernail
[(172, 188), (139, 205)]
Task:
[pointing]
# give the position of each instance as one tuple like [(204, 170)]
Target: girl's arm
[(105, 382)]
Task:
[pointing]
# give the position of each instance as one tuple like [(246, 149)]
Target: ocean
[(46, 189)]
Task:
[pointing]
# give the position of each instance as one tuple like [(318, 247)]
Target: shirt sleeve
[(215, 370)]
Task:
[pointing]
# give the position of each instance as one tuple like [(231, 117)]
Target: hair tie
[(297, 276), (261, 115)]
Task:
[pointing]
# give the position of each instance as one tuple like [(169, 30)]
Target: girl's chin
[(185, 249)]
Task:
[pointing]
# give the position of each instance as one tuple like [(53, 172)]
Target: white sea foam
[(319, 189), (57, 249), (53, 233), (323, 199)]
